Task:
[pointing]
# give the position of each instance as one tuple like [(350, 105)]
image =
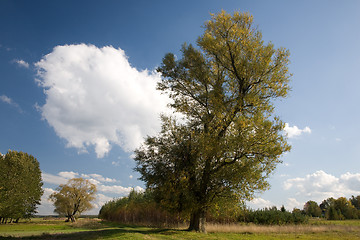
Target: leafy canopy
[(228, 141), (73, 198), (20, 185)]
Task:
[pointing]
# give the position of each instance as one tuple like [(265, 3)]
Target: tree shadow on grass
[(107, 232)]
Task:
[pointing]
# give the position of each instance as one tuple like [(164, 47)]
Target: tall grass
[(139, 209)]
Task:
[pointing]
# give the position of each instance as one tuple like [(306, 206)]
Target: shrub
[(272, 216)]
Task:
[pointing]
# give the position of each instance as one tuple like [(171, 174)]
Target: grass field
[(96, 229)]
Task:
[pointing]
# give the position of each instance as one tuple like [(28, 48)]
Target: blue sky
[(77, 88)]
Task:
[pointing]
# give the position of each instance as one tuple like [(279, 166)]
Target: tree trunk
[(70, 218), (197, 221)]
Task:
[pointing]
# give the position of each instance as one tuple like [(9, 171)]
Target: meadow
[(97, 229)]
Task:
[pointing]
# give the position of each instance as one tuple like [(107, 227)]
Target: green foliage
[(312, 209), (333, 214), (73, 198), (337, 209), (20, 185), (142, 209), (273, 216), (345, 209), (138, 208), (355, 201), (229, 141), (225, 212)]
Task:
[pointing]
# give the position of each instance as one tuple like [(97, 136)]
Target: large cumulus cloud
[(94, 97)]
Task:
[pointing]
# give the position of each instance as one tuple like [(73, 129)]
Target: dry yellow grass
[(91, 223), (251, 228)]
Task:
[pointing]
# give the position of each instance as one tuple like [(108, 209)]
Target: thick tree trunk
[(70, 218), (197, 221)]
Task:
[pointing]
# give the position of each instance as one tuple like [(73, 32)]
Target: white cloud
[(94, 97), (6, 99), (351, 181), (317, 187), (63, 177), (53, 179), (120, 190), (100, 200), (284, 175), (294, 131), (259, 203), (97, 179), (321, 185), (94, 181), (22, 63), (115, 163), (46, 206), (68, 175), (101, 178), (293, 203), (11, 102)]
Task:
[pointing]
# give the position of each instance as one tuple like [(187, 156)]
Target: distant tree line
[(20, 186), (334, 209)]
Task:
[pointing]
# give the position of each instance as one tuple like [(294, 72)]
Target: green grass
[(94, 229), (335, 222)]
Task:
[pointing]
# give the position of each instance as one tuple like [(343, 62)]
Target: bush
[(272, 216)]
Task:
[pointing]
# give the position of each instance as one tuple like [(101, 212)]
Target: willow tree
[(229, 140), (73, 198)]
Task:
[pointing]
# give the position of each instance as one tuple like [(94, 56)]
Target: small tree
[(325, 206), (312, 209), (346, 209), (73, 198), (355, 201), (333, 214)]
